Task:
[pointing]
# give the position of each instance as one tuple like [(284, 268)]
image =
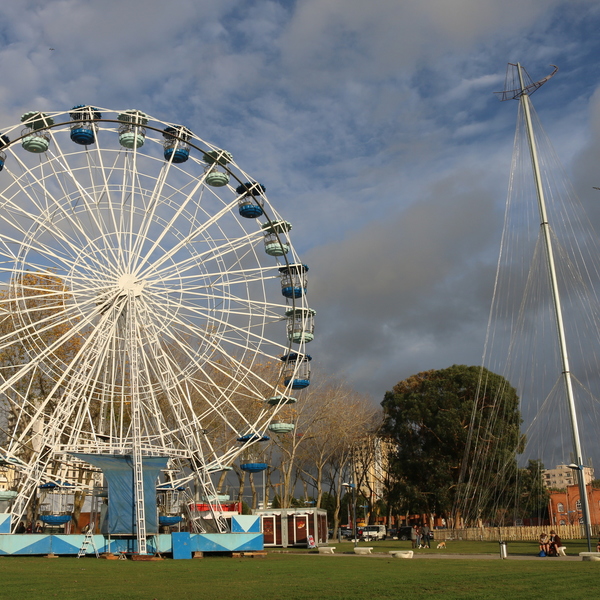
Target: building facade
[(563, 476), (564, 507)]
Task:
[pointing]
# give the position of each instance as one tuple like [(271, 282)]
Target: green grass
[(574, 547), (297, 576)]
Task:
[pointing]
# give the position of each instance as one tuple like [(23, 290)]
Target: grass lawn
[(298, 576), (574, 547)]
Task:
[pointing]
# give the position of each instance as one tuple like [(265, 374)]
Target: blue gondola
[(83, 129), (296, 370), (49, 486), (294, 280), (176, 147), (169, 520), (55, 520), (249, 202), (253, 437), (253, 467)]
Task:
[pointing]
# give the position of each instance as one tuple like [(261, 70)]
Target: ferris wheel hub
[(129, 283)]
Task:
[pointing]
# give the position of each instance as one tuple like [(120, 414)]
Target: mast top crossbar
[(512, 84)]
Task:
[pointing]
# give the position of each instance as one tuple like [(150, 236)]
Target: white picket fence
[(566, 532)]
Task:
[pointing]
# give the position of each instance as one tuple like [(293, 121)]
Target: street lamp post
[(585, 508), (353, 488)]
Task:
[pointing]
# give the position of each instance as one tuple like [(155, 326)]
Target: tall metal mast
[(522, 94)]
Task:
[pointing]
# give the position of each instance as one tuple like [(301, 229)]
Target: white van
[(373, 532)]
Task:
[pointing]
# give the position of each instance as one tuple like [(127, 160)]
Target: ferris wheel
[(151, 304)]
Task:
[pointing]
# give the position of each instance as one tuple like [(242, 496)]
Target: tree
[(34, 316), (532, 494), (448, 427), (345, 419), (36, 321), (40, 337)]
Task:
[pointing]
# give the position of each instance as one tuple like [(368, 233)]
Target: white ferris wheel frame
[(141, 298)]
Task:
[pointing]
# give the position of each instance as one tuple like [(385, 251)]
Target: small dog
[(441, 545)]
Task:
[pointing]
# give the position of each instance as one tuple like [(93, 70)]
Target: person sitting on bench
[(555, 543)]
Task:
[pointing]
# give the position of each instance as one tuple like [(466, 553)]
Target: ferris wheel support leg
[(138, 472), (209, 491)]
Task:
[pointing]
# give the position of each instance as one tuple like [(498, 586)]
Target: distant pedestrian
[(425, 532), (419, 536), (413, 536)]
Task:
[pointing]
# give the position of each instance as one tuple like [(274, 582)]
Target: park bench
[(326, 549), (590, 556), (362, 550), (401, 553)]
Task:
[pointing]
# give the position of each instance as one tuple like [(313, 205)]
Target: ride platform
[(246, 538)]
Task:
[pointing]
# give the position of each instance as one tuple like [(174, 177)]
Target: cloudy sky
[(372, 124)]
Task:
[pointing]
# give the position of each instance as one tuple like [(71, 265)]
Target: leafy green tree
[(532, 494), (448, 427)]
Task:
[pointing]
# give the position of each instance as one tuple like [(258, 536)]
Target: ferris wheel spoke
[(188, 239), (177, 215), (57, 319), (152, 404), (239, 368), (215, 254), (42, 224), (107, 173), (151, 210), (199, 365), (133, 184), (45, 216), (243, 333), (45, 354), (240, 337), (84, 194), (232, 304)]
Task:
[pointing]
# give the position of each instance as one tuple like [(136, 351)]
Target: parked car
[(403, 533)]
